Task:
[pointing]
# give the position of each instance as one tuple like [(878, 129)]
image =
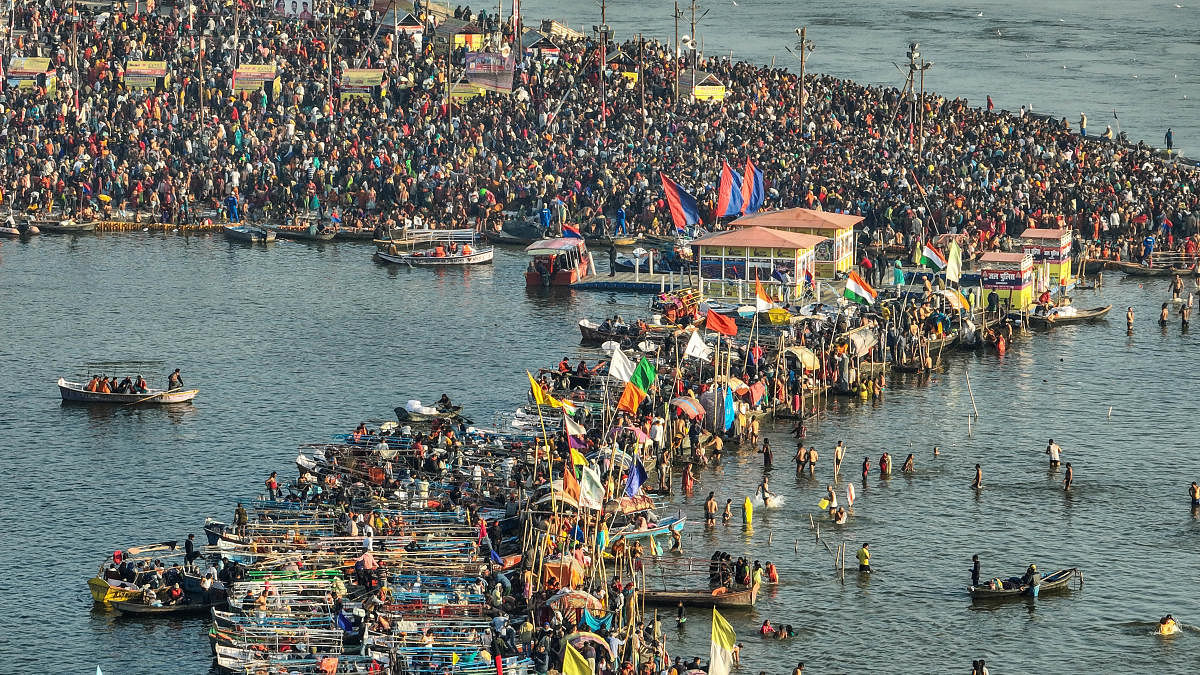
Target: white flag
[(696, 348), (573, 428), (621, 367), (954, 264), (591, 489)]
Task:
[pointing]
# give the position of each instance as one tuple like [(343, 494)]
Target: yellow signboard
[(145, 74), (255, 77)]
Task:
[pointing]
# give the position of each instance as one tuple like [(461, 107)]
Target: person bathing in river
[(1176, 288), (1162, 315), (764, 492), (885, 465), (908, 464), (768, 455), (978, 482)]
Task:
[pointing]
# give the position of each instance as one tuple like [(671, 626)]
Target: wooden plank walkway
[(645, 282)]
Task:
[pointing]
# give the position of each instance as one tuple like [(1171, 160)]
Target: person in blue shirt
[(620, 221)]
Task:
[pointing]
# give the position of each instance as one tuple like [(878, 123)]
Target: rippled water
[(296, 342), (1062, 57)]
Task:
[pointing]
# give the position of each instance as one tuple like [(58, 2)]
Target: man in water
[(710, 511), (1069, 477), (978, 482), (1194, 493), (768, 455), (839, 453), (864, 558), (1055, 453), (1129, 319)]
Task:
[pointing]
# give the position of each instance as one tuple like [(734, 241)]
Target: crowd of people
[(198, 148)]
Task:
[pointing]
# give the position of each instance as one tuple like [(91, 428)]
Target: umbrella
[(578, 639), (806, 357), (574, 599), (637, 432), (689, 406)]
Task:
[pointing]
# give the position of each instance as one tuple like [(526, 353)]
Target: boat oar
[(161, 393)]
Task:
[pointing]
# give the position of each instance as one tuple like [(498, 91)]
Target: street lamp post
[(803, 46)]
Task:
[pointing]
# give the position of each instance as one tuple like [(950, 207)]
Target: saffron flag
[(570, 484), (720, 652), (954, 262), (571, 231), (858, 290), (621, 367), (637, 476), (931, 257), (729, 193), (574, 663), (682, 204), (761, 300), (753, 190), (631, 398), (720, 323)]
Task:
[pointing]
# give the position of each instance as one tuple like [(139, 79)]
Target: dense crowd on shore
[(182, 153)]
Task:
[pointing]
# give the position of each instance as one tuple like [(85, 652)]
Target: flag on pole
[(682, 204), (574, 663), (858, 290), (540, 397), (753, 190), (637, 476), (696, 348), (591, 493), (571, 231), (570, 484), (638, 386), (720, 323), (762, 301), (954, 262), (730, 413), (620, 367), (931, 257), (573, 428), (720, 652), (729, 193)]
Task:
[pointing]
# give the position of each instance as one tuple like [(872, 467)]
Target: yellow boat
[(105, 592)]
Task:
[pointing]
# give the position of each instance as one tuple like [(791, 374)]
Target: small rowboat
[(253, 235), (1080, 316), (1051, 583), (105, 591), (305, 234), (78, 393), (6, 231), (429, 259), (717, 598), (182, 609), (352, 234), (65, 226), (590, 334), (1136, 270)]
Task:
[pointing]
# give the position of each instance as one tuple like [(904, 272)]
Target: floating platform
[(630, 282)]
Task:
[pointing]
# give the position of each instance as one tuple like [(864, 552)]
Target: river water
[(1063, 58), (295, 342)]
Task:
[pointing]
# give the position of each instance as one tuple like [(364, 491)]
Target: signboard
[(361, 82), (1053, 253), (464, 90), (492, 71), (253, 78), (145, 74), (30, 73), (1005, 278), (294, 9)]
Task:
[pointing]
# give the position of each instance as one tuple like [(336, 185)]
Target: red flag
[(721, 324)]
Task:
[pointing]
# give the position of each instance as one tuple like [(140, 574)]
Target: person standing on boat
[(240, 520), (272, 483), (975, 570), (175, 380)]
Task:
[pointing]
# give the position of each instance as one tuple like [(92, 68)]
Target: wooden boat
[(182, 609), (1092, 266), (557, 262), (105, 591), (1054, 582), (720, 597), (409, 417), (1136, 270), (1081, 316), (6, 231), (612, 241), (65, 226), (304, 233), (77, 392), (590, 334), (353, 234), (664, 527), (435, 248), (249, 234)]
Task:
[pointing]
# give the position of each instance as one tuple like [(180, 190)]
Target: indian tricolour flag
[(931, 257), (859, 290)]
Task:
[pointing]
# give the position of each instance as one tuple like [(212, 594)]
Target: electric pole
[(805, 46)]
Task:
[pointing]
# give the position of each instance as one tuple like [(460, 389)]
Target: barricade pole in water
[(972, 393)]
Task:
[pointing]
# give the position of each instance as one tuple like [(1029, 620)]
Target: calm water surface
[(293, 343)]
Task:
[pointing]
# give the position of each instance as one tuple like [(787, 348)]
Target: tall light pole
[(925, 65), (803, 46)]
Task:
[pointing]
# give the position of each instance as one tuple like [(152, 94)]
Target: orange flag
[(631, 398), (570, 484)]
